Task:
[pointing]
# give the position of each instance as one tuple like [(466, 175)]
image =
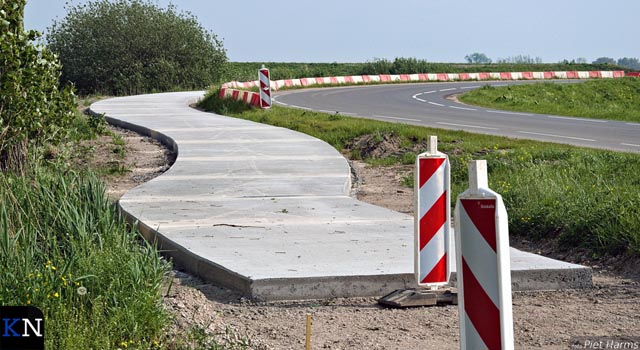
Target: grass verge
[(65, 250), (614, 99), (580, 197)]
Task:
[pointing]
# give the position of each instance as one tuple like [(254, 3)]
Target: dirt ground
[(546, 320)]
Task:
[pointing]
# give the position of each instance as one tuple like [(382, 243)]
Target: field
[(617, 99), (576, 197)]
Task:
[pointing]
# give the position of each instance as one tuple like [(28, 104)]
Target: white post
[(483, 265), (265, 87), (432, 227)]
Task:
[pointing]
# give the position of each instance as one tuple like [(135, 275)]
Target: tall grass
[(615, 99), (579, 197), (65, 250)]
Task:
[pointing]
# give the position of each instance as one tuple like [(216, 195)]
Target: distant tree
[(520, 59), (580, 60), (477, 57), (133, 46), (604, 60), (629, 62)]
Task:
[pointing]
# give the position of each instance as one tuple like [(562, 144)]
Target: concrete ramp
[(268, 211)]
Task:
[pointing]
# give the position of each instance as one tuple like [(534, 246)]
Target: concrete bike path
[(268, 211)]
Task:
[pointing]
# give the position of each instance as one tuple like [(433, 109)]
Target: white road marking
[(326, 111), (436, 104), (396, 118), (281, 103), (511, 113), (429, 92), (578, 119), (633, 124), (630, 144), (558, 136), (419, 99), (463, 108), (443, 90), (468, 126), (469, 87), (348, 113)]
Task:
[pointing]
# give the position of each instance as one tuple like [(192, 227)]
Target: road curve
[(426, 104)]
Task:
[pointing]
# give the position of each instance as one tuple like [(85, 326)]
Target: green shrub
[(134, 46), (33, 110)]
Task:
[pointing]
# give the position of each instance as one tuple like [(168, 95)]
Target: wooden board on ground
[(403, 298)]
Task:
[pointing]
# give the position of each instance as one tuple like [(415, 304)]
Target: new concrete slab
[(268, 210)]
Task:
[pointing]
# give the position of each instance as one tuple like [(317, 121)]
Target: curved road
[(426, 104)]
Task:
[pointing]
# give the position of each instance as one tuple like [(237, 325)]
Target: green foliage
[(616, 99), (59, 233), (248, 71), (33, 111), (134, 46), (580, 197)]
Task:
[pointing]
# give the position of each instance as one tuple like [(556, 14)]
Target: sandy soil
[(546, 320)]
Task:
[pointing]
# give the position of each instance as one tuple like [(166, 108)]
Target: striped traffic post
[(483, 267), (265, 88), (432, 217)]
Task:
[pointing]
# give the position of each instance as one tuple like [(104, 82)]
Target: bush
[(134, 46), (33, 111)]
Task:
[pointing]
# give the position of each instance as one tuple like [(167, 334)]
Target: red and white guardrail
[(363, 79), (433, 217), (230, 89), (483, 265)]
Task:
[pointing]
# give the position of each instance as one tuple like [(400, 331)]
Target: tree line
[(481, 58)]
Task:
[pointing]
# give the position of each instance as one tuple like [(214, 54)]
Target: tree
[(604, 60), (134, 46), (33, 110), (477, 57), (628, 62)]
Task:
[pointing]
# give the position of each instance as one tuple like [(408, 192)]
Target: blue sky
[(435, 30)]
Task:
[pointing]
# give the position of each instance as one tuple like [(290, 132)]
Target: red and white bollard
[(265, 88), (432, 217), (483, 266)]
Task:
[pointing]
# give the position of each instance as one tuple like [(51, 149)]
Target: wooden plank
[(404, 298)]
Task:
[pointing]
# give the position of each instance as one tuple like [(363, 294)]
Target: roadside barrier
[(265, 88), (433, 217), (364, 79), (483, 265)]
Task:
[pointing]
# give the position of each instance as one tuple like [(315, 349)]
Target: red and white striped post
[(483, 267), (432, 217), (265, 88)]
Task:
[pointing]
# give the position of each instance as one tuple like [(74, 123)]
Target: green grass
[(614, 99), (580, 197), (59, 233)]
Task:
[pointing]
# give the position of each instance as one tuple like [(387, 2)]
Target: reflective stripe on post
[(432, 217), (483, 273), (265, 88)]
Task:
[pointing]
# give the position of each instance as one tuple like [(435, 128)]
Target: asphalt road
[(426, 104)]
